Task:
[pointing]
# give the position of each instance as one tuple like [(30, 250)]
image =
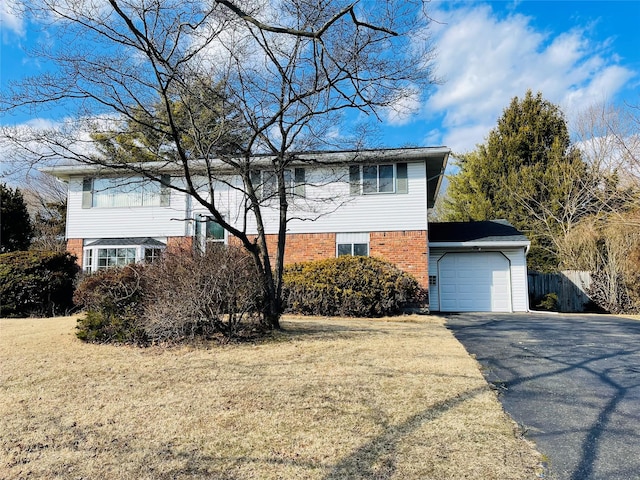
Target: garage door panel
[(478, 281)]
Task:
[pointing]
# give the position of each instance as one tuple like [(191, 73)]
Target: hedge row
[(36, 283)]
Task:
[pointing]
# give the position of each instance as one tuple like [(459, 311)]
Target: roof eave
[(64, 172), (481, 244)]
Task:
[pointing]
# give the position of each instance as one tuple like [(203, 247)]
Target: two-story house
[(371, 202)]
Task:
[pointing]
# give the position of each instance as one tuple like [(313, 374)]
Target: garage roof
[(472, 233)]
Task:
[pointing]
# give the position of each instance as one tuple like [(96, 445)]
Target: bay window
[(118, 252)]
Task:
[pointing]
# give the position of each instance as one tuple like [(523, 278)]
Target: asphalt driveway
[(571, 381)]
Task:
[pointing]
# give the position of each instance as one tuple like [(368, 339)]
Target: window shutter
[(299, 182), (87, 194), (256, 181), (402, 182), (165, 191), (354, 180)]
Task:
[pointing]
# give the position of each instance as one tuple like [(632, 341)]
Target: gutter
[(325, 158), (478, 246)]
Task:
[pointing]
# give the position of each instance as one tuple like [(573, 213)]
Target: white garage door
[(474, 282)]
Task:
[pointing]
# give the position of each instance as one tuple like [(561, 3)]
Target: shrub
[(549, 302), (113, 301), (347, 286), (181, 297), (36, 283), (611, 293), (192, 295), (16, 230)]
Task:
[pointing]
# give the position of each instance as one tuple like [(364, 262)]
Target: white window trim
[(352, 239), (90, 252), (357, 185), (148, 192), (200, 234)]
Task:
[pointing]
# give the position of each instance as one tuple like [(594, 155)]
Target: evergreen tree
[(200, 114), (15, 225), (527, 160)]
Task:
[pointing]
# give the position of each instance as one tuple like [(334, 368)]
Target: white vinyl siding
[(328, 205), (322, 204), (519, 280), (115, 222)]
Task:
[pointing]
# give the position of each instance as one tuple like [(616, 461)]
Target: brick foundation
[(175, 244), (300, 247), (406, 249), (74, 246)]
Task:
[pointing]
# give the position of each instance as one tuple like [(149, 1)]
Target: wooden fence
[(571, 287)]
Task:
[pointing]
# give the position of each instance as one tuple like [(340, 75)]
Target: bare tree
[(599, 187), (289, 70), (609, 138), (46, 199), (565, 196)]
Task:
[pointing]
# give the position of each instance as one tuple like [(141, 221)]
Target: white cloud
[(486, 60), (11, 19), (39, 142), (403, 110)]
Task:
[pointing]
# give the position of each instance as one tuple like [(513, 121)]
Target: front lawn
[(325, 399)]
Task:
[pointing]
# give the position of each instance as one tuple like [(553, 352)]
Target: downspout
[(428, 246)]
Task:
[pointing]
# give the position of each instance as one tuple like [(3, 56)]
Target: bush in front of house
[(112, 300), (348, 286), (36, 283), (193, 295), (182, 297)]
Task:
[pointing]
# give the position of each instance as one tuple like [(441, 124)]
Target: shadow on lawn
[(333, 329), (377, 459), (579, 371)]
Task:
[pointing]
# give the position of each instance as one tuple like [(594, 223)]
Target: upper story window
[(383, 178), (377, 179), (124, 192), (265, 182)]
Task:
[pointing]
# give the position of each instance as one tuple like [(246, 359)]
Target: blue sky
[(577, 53)]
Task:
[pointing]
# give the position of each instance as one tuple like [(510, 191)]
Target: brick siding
[(300, 247), (406, 249), (179, 243), (74, 246)]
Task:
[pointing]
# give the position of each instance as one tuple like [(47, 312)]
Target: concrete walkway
[(571, 381)]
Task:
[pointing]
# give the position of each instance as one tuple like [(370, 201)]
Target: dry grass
[(325, 399)]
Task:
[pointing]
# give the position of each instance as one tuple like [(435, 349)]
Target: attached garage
[(477, 267)]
